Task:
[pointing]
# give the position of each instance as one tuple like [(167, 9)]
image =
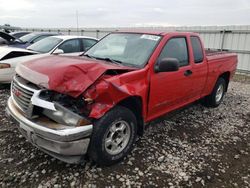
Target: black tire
[(97, 150), (210, 100)]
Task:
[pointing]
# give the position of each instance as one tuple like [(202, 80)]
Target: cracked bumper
[(68, 144)]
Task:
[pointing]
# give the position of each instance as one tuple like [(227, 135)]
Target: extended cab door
[(199, 66), (170, 90)]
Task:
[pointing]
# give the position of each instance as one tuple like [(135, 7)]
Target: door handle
[(188, 73)]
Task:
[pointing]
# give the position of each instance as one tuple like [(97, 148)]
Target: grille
[(21, 94)]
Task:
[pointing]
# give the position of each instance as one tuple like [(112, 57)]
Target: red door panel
[(170, 90)]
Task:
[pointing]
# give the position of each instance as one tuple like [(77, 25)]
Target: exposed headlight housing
[(69, 111), (66, 117)]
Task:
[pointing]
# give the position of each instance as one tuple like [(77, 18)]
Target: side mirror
[(167, 65), (58, 51)]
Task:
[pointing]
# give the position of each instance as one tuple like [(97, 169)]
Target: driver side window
[(70, 46), (176, 48)]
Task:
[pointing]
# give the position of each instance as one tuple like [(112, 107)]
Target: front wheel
[(113, 136), (216, 97)]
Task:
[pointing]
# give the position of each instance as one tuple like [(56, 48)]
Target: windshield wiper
[(104, 58), (110, 60), (88, 56)]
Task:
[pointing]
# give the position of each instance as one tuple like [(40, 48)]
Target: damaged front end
[(51, 121), (56, 106)]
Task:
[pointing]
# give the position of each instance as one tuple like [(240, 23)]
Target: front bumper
[(66, 143)]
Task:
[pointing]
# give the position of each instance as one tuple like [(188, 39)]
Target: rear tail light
[(4, 65)]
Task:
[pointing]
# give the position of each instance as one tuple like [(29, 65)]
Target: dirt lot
[(193, 147)]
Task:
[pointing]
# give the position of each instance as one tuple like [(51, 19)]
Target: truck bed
[(211, 52), (216, 54)]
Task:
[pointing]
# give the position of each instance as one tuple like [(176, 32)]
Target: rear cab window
[(176, 48), (197, 49)]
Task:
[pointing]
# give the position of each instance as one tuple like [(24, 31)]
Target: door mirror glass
[(58, 51), (167, 65)]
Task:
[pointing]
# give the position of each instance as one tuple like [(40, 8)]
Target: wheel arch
[(134, 103), (226, 77)]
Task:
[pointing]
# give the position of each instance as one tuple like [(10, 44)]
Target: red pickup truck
[(96, 105)]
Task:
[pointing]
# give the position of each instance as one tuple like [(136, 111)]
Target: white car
[(57, 45)]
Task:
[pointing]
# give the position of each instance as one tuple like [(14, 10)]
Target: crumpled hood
[(68, 75)]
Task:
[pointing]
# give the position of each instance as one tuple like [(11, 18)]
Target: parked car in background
[(63, 45), (31, 38), (7, 39), (18, 34), (24, 41), (97, 105), (58, 45)]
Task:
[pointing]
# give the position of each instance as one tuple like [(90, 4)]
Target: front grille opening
[(22, 94)]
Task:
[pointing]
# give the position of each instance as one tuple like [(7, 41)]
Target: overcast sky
[(110, 13)]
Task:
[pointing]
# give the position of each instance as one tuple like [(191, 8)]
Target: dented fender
[(109, 91)]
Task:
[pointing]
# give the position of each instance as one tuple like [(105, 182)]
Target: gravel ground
[(193, 147)]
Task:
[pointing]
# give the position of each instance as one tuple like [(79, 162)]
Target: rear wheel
[(216, 97), (113, 136)]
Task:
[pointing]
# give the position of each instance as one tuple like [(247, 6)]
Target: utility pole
[(77, 26)]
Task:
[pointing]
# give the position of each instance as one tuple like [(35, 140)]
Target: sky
[(123, 13)]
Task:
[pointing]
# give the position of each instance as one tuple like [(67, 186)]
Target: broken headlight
[(69, 111)]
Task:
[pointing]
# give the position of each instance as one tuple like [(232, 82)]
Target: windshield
[(126, 48), (45, 45), (27, 38)]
